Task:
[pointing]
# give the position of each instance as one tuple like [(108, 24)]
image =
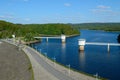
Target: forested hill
[(21, 30), (52, 29), (98, 26)]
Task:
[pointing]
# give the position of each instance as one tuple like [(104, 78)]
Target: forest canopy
[(7, 29), (98, 26)]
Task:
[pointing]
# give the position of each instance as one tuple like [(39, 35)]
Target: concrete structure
[(104, 44), (46, 70), (62, 37), (81, 43)]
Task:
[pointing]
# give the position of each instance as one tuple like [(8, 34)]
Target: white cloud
[(100, 10), (103, 7), (105, 11), (67, 4), (7, 16)]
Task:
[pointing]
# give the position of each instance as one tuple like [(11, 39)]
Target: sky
[(59, 11)]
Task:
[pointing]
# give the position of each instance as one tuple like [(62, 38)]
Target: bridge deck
[(96, 43), (49, 37)]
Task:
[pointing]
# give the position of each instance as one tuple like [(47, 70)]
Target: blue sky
[(59, 11)]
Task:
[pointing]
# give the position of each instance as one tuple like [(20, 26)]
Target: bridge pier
[(81, 43), (63, 38), (108, 47), (47, 39)]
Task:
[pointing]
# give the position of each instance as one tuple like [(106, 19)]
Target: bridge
[(49, 37), (62, 37), (82, 43)]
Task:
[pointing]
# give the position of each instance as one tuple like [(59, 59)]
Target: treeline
[(52, 29), (7, 29), (98, 26)]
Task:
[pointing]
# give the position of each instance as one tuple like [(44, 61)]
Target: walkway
[(51, 70), (14, 64), (45, 69)]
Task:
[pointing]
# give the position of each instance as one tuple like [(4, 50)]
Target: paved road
[(43, 70), (14, 64), (59, 75)]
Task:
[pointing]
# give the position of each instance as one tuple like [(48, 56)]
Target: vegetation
[(52, 29), (118, 38), (98, 26), (29, 31)]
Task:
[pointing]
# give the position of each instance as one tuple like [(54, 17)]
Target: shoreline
[(100, 30), (58, 35), (59, 67), (30, 42), (73, 71), (65, 70)]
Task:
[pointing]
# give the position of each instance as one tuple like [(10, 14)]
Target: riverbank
[(43, 35), (30, 42), (14, 63), (73, 35)]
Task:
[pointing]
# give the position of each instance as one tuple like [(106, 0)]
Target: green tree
[(118, 38)]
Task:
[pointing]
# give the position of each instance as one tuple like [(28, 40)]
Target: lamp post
[(54, 61), (96, 76), (69, 69), (46, 56)]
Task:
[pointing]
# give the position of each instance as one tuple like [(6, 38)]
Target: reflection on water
[(82, 59), (63, 46), (63, 52)]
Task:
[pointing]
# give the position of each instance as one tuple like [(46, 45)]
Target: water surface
[(95, 59)]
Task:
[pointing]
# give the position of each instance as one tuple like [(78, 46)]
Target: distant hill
[(98, 26), (7, 29)]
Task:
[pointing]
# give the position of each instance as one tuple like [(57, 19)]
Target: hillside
[(98, 26), (28, 31)]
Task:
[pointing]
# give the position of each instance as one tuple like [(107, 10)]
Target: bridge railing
[(96, 43)]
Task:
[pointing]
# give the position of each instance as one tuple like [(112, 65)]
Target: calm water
[(95, 59)]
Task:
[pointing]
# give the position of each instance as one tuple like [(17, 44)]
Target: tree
[(118, 38), (29, 37)]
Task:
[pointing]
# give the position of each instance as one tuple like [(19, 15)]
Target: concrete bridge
[(82, 43), (62, 37)]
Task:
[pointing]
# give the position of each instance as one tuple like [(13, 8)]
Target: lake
[(95, 59)]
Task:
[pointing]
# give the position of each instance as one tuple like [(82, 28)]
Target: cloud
[(67, 4), (105, 11), (100, 10), (7, 16), (12, 17), (103, 7)]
